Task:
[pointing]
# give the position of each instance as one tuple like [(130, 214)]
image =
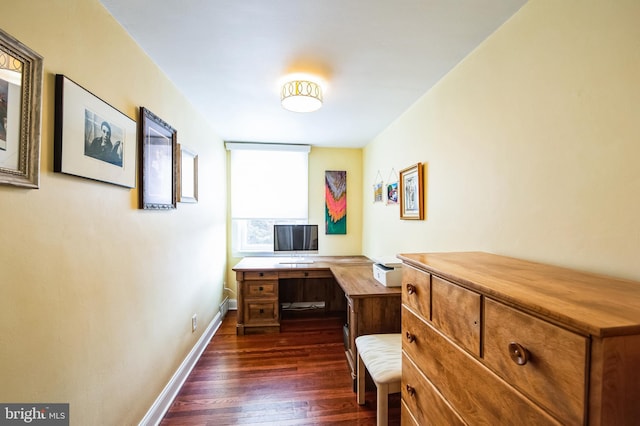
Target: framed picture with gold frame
[(412, 193)]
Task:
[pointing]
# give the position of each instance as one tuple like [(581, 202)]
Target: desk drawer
[(554, 373), (306, 274), (259, 313), (261, 288), (261, 275)]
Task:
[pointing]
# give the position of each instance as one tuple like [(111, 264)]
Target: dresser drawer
[(257, 313), (260, 275), (456, 312), (423, 400), (406, 418), (471, 389), (554, 367), (261, 288), (416, 290)]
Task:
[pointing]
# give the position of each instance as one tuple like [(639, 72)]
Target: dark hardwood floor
[(296, 377)]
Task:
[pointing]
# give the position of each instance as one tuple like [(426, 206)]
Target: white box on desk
[(389, 275)]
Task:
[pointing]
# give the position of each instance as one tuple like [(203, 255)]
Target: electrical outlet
[(194, 322)]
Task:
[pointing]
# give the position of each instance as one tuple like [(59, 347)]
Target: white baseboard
[(168, 394), (233, 304)]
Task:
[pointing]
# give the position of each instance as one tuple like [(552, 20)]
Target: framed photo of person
[(158, 156), (412, 193), (92, 139)]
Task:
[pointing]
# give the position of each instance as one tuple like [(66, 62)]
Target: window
[(269, 185)]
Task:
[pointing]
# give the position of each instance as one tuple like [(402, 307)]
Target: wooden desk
[(344, 283), (372, 307)]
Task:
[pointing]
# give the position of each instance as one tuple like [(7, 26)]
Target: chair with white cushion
[(381, 355)]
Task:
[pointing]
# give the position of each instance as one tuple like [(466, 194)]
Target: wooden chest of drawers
[(496, 340)]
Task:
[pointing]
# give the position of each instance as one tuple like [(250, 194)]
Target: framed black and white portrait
[(92, 139)]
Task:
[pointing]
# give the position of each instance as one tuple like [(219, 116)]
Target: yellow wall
[(96, 296), (532, 144), (350, 160), (320, 160)]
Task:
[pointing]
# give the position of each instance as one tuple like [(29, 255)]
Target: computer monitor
[(295, 238)]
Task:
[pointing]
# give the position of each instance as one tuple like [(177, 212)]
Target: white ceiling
[(376, 56)]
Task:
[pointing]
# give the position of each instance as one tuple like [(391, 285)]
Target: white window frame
[(241, 244)]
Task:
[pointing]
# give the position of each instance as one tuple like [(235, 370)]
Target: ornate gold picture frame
[(412, 193), (20, 113)]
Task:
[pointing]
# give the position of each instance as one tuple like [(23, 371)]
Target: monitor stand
[(295, 260)]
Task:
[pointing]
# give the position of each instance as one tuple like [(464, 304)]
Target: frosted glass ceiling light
[(10, 69), (301, 96)]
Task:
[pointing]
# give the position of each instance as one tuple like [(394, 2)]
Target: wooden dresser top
[(588, 303)]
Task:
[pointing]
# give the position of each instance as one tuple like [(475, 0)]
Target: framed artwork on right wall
[(412, 193)]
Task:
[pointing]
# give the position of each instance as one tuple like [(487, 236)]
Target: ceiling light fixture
[(10, 68), (301, 96)]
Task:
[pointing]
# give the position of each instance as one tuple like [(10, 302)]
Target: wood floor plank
[(296, 377)]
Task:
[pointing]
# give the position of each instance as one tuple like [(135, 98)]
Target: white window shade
[(269, 181)]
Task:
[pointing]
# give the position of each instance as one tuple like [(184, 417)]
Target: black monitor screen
[(295, 238)]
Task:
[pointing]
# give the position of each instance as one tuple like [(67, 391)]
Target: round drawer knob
[(260, 288), (411, 390), (410, 337), (411, 289), (518, 353)]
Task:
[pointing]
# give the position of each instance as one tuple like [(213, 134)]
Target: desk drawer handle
[(411, 337), (519, 354), (261, 274), (411, 390), (261, 288), (411, 289), (262, 311)]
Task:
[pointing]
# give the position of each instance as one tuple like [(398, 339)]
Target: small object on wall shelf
[(92, 139), (158, 171), (412, 193)]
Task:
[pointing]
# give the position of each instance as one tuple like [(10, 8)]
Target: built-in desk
[(344, 283)]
